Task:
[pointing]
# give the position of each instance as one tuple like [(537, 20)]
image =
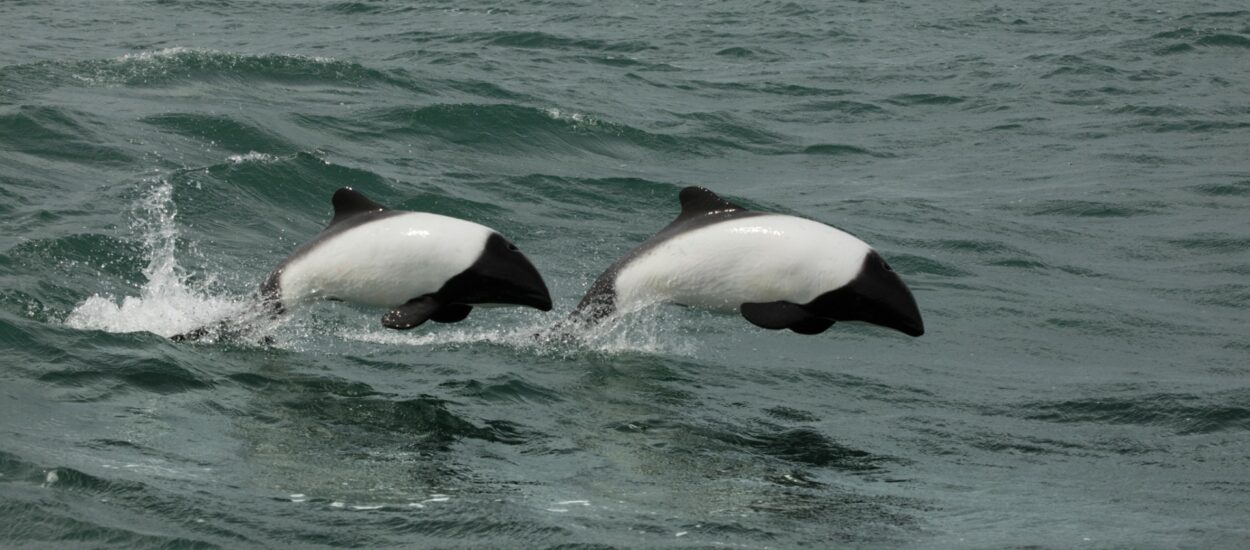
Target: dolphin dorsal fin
[(348, 202), (699, 201)]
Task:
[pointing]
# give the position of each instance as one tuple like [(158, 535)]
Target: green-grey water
[(1064, 186)]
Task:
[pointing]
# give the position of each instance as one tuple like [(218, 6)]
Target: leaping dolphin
[(778, 271)]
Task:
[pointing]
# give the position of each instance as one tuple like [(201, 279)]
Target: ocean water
[(1064, 186)]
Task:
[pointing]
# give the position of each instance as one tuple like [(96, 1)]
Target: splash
[(647, 331), (167, 304)]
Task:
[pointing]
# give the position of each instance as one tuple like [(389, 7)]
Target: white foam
[(646, 331), (429, 337), (149, 55), (576, 118), (177, 51), (166, 304), (251, 156)]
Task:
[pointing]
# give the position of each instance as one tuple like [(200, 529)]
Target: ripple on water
[(1084, 209), (915, 100), (357, 8), (427, 418), (55, 503), (1235, 189), (504, 389), (511, 129), (221, 131), (544, 40), (60, 134), (841, 150), (1183, 413), (105, 254), (124, 373), (1224, 243)]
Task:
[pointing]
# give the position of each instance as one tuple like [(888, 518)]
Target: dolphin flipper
[(776, 315), (451, 313), (812, 325), (412, 313)]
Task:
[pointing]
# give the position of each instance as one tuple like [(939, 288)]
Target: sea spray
[(167, 303)]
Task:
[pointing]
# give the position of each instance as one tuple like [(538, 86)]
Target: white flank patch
[(754, 259), (386, 262)]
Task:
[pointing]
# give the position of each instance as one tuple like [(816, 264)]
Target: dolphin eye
[(512, 247), (885, 265)]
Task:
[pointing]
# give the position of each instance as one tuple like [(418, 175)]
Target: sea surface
[(1065, 186)]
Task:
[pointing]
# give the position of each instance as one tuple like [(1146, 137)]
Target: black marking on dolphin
[(877, 295)]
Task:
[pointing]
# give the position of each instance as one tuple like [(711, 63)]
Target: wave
[(1214, 37), (1085, 209), (169, 66), (516, 128), (1183, 413), (543, 40), (221, 131), (59, 133)]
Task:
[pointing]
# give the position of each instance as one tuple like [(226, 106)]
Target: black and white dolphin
[(778, 271), (420, 266)]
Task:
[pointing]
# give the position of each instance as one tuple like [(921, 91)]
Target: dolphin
[(417, 265), (777, 271)]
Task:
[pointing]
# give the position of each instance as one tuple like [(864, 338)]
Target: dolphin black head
[(877, 295), (501, 275)]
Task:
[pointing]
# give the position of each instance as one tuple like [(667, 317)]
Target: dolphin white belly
[(754, 259), (420, 266), (385, 262), (778, 271)]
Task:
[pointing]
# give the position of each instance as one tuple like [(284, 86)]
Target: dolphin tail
[(235, 327)]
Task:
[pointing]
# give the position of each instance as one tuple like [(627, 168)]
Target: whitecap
[(251, 156)]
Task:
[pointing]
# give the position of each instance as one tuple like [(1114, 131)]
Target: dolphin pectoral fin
[(451, 313), (779, 315), (812, 325), (412, 313), (775, 315)]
